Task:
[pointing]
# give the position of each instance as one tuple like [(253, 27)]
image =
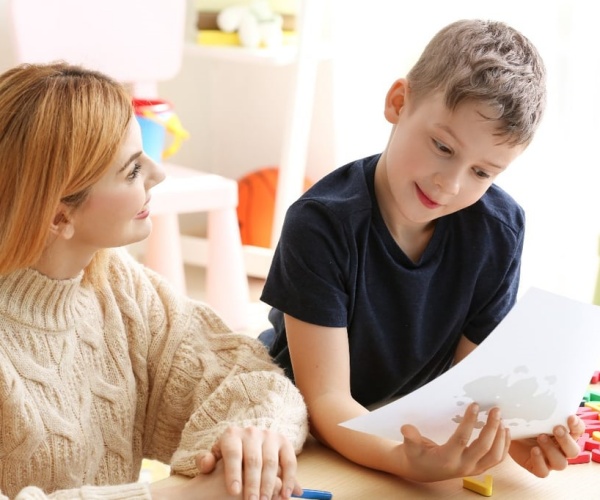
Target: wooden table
[(323, 469)]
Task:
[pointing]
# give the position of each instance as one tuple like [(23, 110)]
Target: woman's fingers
[(230, 448), (289, 465), (206, 463), (253, 461)]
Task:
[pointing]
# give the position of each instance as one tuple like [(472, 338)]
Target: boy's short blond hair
[(489, 62)]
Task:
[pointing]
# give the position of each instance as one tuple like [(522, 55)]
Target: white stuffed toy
[(256, 24)]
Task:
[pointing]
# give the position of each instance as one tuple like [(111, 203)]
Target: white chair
[(140, 42)]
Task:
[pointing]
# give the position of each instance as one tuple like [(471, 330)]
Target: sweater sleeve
[(204, 378)]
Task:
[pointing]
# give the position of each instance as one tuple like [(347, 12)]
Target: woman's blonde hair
[(489, 62), (60, 129)]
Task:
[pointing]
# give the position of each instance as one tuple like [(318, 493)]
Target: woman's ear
[(62, 225), (395, 100)]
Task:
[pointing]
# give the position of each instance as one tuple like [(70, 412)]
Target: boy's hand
[(255, 461), (429, 461), (547, 453)]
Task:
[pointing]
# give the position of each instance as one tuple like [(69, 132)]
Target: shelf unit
[(278, 57), (304, 57)]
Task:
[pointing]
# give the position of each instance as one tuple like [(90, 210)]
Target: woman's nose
[(157, 173)]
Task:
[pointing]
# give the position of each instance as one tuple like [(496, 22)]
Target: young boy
[(394, 267)]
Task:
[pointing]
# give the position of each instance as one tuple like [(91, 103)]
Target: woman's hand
[(546, 453), (209, 486), (255, 462), (427, 461)]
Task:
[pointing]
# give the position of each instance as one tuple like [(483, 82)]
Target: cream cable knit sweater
[(92, 381)]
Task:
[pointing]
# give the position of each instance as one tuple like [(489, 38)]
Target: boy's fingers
[(489, 432), (412, 436), (565, 441), (491, 445), (553, 456), (538, 463), (576, 426), (462, 435)]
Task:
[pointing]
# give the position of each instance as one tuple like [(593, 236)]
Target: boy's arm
[(464, 348), (320, 359), (545, 453)]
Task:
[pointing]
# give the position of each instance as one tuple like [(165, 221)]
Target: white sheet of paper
[(535, 366)]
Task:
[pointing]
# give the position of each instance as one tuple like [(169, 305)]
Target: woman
[(102, 364)]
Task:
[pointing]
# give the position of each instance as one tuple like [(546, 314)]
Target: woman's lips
[(145, 211), (142, 214)]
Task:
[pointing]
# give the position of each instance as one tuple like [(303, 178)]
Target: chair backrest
[(131, 40)]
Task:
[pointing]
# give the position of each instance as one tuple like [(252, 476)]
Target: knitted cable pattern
[(93, 381)]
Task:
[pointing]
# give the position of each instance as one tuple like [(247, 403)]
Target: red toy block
[(590, 428), (595, 456), (584, 410), (581, 441), (583, 458), (595, 378), (590, 445)]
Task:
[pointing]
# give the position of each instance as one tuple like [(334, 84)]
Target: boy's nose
[(448, 181)]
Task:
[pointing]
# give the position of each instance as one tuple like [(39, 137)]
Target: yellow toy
[(482, 487), (173, 127)]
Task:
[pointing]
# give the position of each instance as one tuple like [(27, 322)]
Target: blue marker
[(315, 495)]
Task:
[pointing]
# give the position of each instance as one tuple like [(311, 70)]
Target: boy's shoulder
[(496, 204), (343, 197), (349, 183)]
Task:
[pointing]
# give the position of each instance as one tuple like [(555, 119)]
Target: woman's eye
[(442, 147), (134, 172)]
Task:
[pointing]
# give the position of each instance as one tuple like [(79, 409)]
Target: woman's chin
[(140, 233)]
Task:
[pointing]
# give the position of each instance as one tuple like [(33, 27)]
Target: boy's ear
[(62, 224), (395, 100)]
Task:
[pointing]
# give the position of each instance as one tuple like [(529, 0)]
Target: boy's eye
[(482, 174), (440, 146), (134, 171)]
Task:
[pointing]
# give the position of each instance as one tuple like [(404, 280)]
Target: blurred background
[(240, 111)]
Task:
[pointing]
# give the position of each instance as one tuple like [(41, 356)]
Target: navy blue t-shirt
[(337, 265)]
